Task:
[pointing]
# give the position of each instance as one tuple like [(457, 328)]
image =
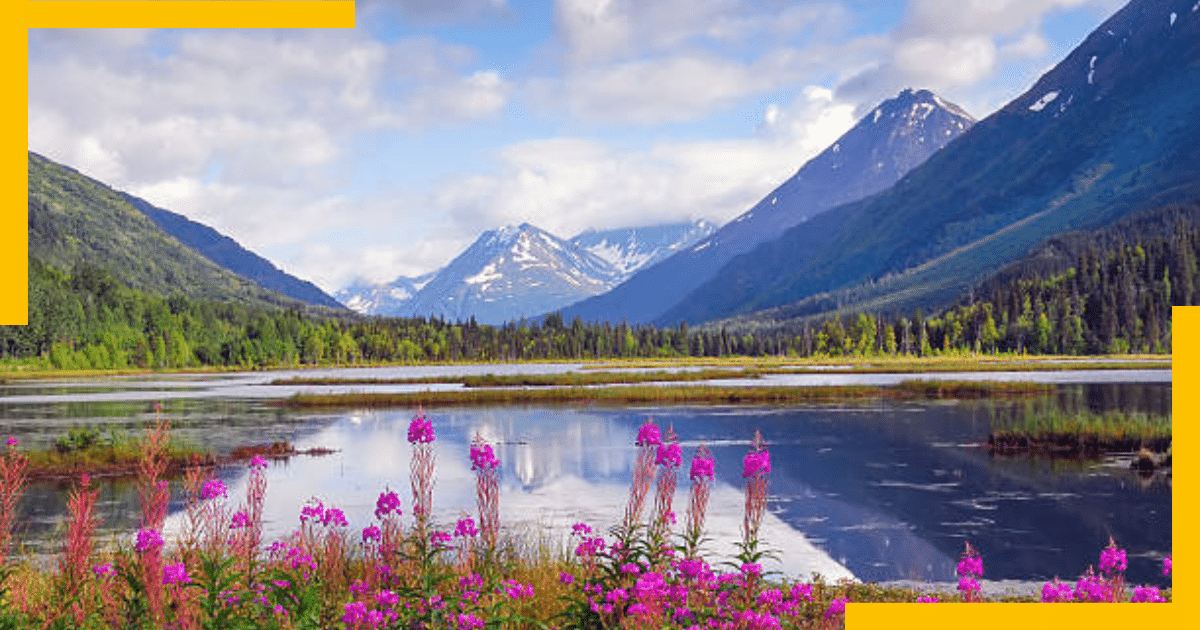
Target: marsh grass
[(1084, 432), (670, 394)]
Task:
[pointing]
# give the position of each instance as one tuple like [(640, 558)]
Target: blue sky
[(386, 149)]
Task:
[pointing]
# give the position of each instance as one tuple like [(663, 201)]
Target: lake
[(876, 490)]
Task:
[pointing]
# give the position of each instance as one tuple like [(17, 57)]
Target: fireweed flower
[(212, 489), (335, 517), (465, 528), (440, 540), (756, 463), (583, 528), (371, 534), (1167, 565), (648, 434), (927, 599), (836, 607), (482, 456), (241, 519), (702, 466), (1147, 595), (258, 462), (176, 574), (102, 571), (1056, 591), (1112, 559), (669, 454), (355, 613), (420, 430), (565, 578), (970, 569), (12, 442), (387, 503), (147, 540)]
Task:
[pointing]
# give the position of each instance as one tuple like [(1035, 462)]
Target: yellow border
[(240, 14), (14, 49)]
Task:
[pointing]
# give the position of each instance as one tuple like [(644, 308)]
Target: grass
[(1083, 433), (667, 394), (569, 379), (117, 454)]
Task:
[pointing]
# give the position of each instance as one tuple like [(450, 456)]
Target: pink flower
[(387, 503), (440, 540), (12, 442), (482, 456), (1112, 558), (335, 517), (371, 533), (212, 489), (581, 529), (176, 574), (104, 570), (702, 466), (756, 463), (669, 455), (927, 599), (1056, 592), (355, 613), (565, 578), (465, 528), (1147, 595), (1167, 565), (420, 430), (648, 435), (147, 540), (467, 621), (241, 520), (258, 462), (836, 607)]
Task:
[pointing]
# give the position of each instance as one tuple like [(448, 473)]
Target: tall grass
[(407, 570), (1081, 432)]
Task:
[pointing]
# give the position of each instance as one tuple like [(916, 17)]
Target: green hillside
[(75, 220)]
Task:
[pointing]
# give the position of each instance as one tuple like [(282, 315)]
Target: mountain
[(227, 253), (1110, 130), (74, 219), (631, 249), (389, 298), (893, 138), (511, 273)]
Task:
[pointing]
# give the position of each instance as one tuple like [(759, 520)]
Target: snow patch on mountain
[(1046, 99)]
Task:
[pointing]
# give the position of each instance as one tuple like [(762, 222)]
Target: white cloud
[(565, 185)]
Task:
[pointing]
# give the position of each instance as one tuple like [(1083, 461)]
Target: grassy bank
[(569, 379), (86, 450), (1081, 434), (667, 394)]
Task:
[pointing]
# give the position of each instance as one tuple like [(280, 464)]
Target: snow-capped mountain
[(510, 273), (523, 271), (388, 298), (882, 147), (631, 249)]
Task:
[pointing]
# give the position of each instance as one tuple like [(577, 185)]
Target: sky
[(364, 154)]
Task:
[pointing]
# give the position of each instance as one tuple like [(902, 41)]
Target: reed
[(1081, 433), (668, 394)]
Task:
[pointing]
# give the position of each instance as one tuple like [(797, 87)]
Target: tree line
[(1114, 296)]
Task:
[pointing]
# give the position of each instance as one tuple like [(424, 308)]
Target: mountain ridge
[(1117, 137), (894, 137)]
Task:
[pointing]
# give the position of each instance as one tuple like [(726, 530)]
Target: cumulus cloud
[(668, 61), (253, 132), (566, 185), (957, 46)]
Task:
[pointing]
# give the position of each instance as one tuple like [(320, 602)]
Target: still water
[(875, 491)]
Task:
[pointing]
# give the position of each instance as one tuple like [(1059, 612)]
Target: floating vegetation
[(681, 394), (1083, 433)]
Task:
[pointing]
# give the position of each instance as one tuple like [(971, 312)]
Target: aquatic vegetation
[(417, 572)]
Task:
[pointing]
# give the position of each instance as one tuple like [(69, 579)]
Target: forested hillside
[(1083, 293)]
